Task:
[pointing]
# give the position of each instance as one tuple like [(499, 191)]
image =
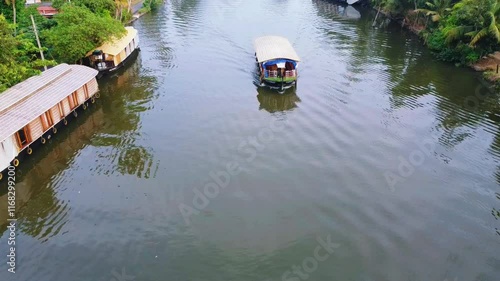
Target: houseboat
[(113, 55), (30, 110), (277, 61)]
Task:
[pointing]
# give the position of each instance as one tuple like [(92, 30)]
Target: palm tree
[(436, 10), (490, 27), (13, 3), (486, 25), (120, 4)]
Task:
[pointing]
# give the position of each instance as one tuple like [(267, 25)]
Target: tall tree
[(78, 31), (436, 9), (13, 4), (474, 21), (18, 58)]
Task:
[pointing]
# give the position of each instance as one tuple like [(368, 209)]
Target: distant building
[(29, 2), (47, 11)]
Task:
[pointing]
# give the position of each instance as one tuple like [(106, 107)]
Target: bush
[(460, 52)]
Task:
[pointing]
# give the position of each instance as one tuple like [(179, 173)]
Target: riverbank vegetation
[(460, 31), (150, 5), (79, 27)]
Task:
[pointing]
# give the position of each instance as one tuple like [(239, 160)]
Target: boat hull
[(283, 85), (125, 62)]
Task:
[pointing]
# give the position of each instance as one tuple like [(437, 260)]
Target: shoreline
[(138, 6), (488, 65)]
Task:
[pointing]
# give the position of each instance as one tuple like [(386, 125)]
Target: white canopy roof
[(274, 47)]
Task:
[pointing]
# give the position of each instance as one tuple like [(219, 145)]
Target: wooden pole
[(38, 40), (15, 17), (375, 20)]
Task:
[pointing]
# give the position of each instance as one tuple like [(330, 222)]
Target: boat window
[(61, 109), (48, 116), (73, 100), (22, 138)]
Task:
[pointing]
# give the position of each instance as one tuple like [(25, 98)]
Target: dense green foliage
[(80, 26), (78, 31), (96, 6), (150, 5), (19, 57), (460, 31)]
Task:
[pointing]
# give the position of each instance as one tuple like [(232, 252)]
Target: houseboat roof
[(26, 101), (274, 47), (116, 46)]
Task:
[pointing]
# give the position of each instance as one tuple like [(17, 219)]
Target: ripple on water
[(365, 98)]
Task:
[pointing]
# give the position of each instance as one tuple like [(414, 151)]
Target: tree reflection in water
[(125, 96), (496, 213), (41, 214)]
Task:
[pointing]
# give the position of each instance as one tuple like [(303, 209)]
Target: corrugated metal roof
[(115, 47), (29, 99), (274, 47)]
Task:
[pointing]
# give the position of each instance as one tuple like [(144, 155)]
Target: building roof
[(46, 10), (116, 46), (29, 99), (274, 47)]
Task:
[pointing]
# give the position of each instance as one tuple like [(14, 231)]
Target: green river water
[(383, 164)]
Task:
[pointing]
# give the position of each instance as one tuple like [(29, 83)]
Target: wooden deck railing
[(274, 73)]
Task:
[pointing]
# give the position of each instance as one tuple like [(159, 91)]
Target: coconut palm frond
[(457, 33), (458, 5), (478, 36), (471, 34), (426, 12), (430, 5), (494, 31)]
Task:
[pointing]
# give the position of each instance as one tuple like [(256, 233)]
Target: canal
[(383, 164)]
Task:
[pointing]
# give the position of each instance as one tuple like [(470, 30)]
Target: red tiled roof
[(46, 11)]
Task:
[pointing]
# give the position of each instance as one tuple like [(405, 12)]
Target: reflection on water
[(121, 145), (167, 127), (330, 8), (41, 214), (496, 213), (272, 101)]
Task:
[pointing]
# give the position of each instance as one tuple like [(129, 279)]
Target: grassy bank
[(464, 32)]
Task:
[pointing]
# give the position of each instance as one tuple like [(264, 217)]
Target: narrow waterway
[(384, 151)]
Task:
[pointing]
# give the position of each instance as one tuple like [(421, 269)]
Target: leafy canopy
[(18, 58), (102, 7), (79, 31)]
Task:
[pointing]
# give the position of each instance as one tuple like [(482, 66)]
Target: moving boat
[(277, 61), (113, 55)]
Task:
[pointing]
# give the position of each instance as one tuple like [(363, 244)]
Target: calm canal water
[(389, 154)]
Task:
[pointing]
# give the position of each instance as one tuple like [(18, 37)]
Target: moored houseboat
[(113, 55), (277, 61), (30, 110)]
